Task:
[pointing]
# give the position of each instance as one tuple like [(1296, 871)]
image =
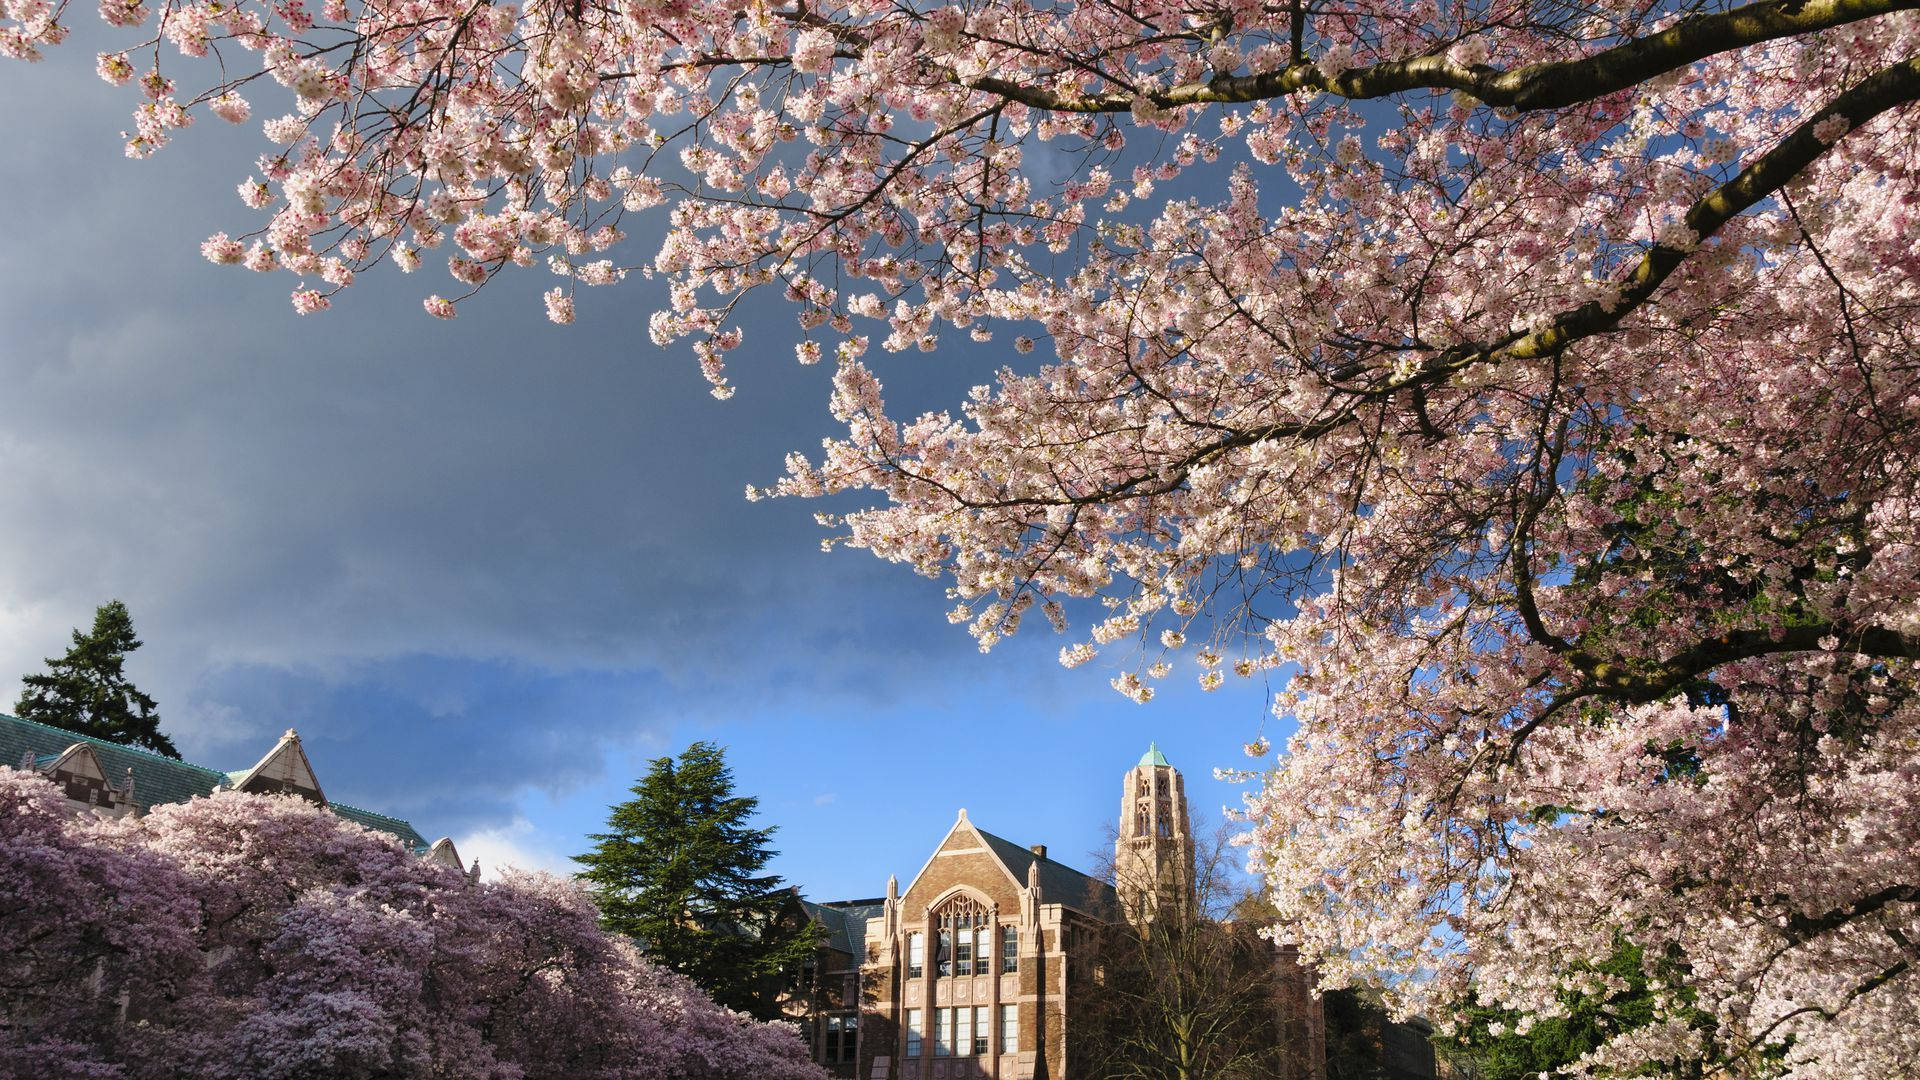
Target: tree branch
[(1550, 85)]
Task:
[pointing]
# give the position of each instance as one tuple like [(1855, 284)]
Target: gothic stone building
[(102, 777), (976, 969)]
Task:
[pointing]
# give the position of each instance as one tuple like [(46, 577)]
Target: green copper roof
[(156, 778), (1153, 756)]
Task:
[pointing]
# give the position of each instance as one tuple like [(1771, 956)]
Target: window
[(965, 937), (1009, 949), (943, 1033), (963, 1041), (916, 955), (980, 1031), (843, 1038), (913, 1033), (1009, 1028)]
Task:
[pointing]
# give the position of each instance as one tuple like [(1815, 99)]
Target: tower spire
[(1153, 855)]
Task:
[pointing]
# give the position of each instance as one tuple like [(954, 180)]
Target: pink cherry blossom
[(244, 936)]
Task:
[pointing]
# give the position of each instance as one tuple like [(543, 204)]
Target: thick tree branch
[(1550, 85)]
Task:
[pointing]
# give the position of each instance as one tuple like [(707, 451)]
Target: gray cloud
[(380, 528)]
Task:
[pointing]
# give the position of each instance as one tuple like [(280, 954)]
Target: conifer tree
[(87, 691), (679, 870)]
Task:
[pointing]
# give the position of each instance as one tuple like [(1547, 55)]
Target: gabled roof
[(1059, 883), (444, 853), (283, 768), (959, 823), (158, 779), (846, 923)]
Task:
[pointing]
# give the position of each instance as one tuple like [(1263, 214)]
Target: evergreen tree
[(679, 870), (1493, 1043), (87, 691)]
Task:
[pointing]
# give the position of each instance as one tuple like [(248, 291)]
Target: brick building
[(977, 968)]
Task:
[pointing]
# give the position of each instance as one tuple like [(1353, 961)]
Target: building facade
[(979, 967), (101, 777)]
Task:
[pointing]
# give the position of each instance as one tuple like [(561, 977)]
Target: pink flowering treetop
[(261, 937), (1535, 384)]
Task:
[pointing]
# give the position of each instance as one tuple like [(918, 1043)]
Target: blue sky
[(488, 568)]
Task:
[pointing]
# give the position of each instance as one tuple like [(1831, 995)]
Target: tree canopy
[(679, 870), (87, 690), (1533, 384), (256, 936)]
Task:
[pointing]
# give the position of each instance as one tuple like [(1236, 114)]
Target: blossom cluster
[(262, 936)]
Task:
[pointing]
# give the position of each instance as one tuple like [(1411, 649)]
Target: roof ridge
[(370, 813), (111, 745), (1031, 853)]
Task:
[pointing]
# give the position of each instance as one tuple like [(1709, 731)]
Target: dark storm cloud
[(491, 547)]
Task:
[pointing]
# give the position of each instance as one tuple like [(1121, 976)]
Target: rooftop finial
[(291, 734)]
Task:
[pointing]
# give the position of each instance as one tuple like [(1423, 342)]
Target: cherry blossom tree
[(1534, 384), (261, 936)]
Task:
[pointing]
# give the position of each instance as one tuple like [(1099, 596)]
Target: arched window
[(964, 929)]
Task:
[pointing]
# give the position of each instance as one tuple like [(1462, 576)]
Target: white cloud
[(518, 845)]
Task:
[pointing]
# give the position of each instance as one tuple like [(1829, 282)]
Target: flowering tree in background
[(1535, 382), (263, 937)]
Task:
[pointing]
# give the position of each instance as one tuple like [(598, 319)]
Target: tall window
[(963, 1040), (1009, 949), (843, 1036), (916, 955), (1009, 1028), (943, 1033), (913, 1033), (965, 941), (980, 1030)]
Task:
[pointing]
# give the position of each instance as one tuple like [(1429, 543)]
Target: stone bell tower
[(1153, 857)]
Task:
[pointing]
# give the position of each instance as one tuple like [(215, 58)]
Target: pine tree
[(87, 691), (679, 870)]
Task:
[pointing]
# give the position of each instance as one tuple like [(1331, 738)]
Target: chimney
[(1038, 849)]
